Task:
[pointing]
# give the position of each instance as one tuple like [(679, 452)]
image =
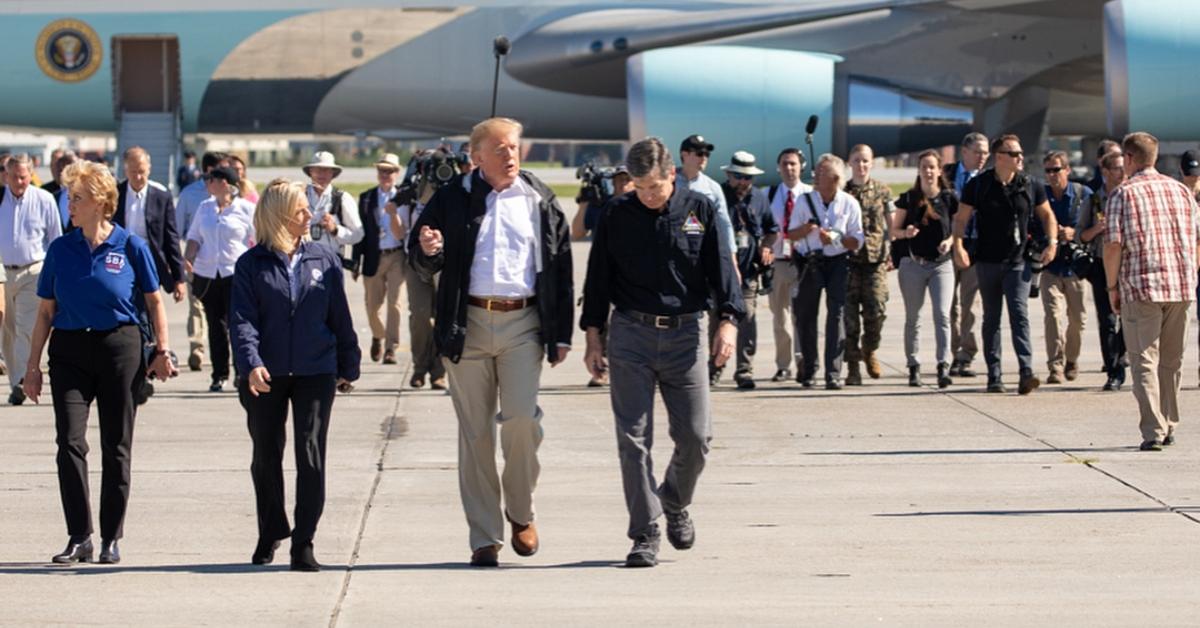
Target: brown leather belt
[(501, 305)]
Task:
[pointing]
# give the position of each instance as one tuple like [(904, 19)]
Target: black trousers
[(215, 295), (311, 398), (831, 274), (1112, 340), (104, 366)]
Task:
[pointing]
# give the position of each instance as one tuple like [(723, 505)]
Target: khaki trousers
[(421, 295), (780, 302), (1155, 335), (963, 344), (197, 328), (385, 284), (20, 310), (1065, 316), (502, 356)]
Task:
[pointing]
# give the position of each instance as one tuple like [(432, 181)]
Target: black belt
[(392, 250), (661, 322), (829, 259), (18, 266)]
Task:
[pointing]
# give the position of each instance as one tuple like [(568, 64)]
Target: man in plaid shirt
[(1150, 261)]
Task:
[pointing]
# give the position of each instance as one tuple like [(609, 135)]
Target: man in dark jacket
[(504, 299)]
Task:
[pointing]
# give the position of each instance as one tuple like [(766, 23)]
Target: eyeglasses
[(741, 177), (702, 153), (1055, 170), (1015, 154)]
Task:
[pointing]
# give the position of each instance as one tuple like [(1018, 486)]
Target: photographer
[(597, 187), (336, 222), (1005, 200), (755, 232), (1092, 225), (1062, 290)]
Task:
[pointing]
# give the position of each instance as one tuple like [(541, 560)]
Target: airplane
[(900, 75)]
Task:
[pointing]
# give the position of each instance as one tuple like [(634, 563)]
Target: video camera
[(596, 184), (426, 172)]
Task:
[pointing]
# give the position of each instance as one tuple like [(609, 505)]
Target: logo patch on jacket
[(114, 262), (316, 275), (692, 225)]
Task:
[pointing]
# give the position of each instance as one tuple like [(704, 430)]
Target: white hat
[(390, 161), (742, 163), (323, 159)]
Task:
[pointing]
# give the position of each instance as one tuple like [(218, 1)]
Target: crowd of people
[(676, 267)]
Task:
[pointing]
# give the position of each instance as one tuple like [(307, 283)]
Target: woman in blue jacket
[(293, 342)]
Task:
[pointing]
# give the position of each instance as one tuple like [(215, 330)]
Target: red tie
[(787, 221)]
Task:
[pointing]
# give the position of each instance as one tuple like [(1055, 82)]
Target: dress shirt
[(842, 215), (507, 249), (350, 229), (135, 210), (189, 201), (781, 247), (386, 239), (293, 272), (961, 176), (64, 207), (222, 235), (27, 226), (661, 262), (711, 189), (1154, 219)]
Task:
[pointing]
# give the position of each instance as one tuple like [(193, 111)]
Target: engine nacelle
[(738, 98), (1150, 52)]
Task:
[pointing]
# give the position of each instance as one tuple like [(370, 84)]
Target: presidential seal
[(68, 50)]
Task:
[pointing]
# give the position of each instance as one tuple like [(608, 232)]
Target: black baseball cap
[(696, 144), (1189, 163), (229, 175)]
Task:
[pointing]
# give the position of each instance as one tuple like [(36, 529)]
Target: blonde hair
[(1141, 147), (274, 212), (490, 127), (97, 180), (136, 153)]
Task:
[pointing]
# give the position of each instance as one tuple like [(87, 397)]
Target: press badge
[(114, 262), (692, 225)]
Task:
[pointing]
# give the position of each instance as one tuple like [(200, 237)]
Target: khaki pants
[(963, 344), (502, 356), (421, 295), (20, 310), (385, 284), (780, 302), (1065, 316), (1155, 335), (197, 328)]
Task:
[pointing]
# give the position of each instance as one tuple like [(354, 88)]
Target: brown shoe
[(524, 537), (389, 357), (376, 349), (438, 384), (872, 365), (195, 360), (486, 556), (417, 381), (1071, 371)]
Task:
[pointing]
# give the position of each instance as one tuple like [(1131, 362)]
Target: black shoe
[(955, 368), (644, 552), (17, 396), (144, 392), (943, 377), (996, 386), (914, 376), (1169, 440), (714, 377), (965, 370), (1111, 384), (1029, 383), (782, 375), (109, 553), (681, 532), (217, 385), (1151, 445), (745, 383), (77, 551), (833, 384), (807, 383), (264, 552), (303, 559)]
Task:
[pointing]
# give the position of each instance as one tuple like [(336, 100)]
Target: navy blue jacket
[(314, 337)]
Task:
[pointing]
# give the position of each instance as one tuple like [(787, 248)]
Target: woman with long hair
[(246, 187), (922, 218)]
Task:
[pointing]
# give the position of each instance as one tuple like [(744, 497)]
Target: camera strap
[(335, 202)]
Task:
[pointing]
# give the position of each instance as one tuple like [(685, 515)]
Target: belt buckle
[(662, 322), (489, 304)]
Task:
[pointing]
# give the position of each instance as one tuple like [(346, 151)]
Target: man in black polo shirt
[(1005, 199), (656, 258)]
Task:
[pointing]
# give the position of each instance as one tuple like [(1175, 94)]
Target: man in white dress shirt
[(29, 221), (335, 222), (504, 300), (190, 199), (380, 258), (784, 197), (826, 227)]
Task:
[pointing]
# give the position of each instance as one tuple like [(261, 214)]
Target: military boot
[(853, 376)]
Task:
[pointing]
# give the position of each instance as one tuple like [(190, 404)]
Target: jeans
[(1001, 283)]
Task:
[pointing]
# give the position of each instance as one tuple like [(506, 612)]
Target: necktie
[(787, 221)]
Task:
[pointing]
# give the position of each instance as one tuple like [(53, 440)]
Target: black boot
[(944, 375), (914, 376)]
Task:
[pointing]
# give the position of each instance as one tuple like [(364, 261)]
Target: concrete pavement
[(884, 505)]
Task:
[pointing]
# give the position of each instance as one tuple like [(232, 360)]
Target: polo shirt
[(96, 289), (1002, 214)]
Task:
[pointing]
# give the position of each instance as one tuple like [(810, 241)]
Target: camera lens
[(315, 231)]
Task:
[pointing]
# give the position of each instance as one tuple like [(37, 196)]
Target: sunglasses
[(1055, 170), (741, 177), (1015, 154)]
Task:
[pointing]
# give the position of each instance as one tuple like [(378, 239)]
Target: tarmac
[(881, 505)]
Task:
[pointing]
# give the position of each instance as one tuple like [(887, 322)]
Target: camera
[(596, 183), (1078, 257)]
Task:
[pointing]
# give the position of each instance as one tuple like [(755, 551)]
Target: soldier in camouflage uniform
[(867, 295)]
